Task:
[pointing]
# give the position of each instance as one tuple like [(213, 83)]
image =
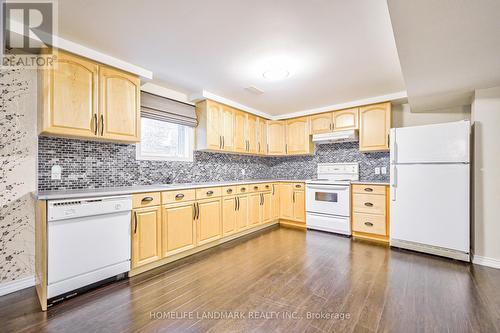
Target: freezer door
[(439, 143), (430, 205)]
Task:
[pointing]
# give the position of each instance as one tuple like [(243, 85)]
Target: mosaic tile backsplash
[(90, 164)]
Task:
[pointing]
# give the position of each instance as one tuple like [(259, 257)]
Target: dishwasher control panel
[(68, 209)]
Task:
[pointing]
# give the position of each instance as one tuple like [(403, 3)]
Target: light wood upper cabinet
[(276, 137), (240, 137), (70, 97), (229, 206), (345, 119), (178, 228), (119, 107), (227, 129), (262, 136), (321, 123), (374, 125), (209, 220), (297, 136), (83, 99), (251, 133), (146, 236), (208, 131)]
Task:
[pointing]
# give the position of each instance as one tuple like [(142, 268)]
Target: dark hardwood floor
[(275, 274)]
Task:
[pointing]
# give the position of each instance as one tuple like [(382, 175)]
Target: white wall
[(486, 176), (403, 117)]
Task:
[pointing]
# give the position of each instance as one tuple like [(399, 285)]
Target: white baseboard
[(486, 261), (11, 286)]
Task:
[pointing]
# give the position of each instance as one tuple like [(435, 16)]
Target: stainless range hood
[(337, 136)]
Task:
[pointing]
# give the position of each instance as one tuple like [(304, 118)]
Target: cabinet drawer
[(177, 196), (266, 187), (228, 190), (369, 223), (298, 186), (210, 192), (242, 189), (369, 203), (140, 200), (368, 189)]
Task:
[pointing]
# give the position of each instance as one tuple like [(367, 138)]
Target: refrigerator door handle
[(393, 145), (394, 184)]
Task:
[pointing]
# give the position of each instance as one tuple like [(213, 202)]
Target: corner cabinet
[(374, 125), (83, 99), (292, 202)]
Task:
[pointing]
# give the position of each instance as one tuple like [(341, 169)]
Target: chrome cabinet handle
[(368, 204), (220, 142), (267, 186), (197, 211), (368, 189), (259, 147), (223, 143), (369, 224), (229, 190), (102, 125), (238, 203), (135, 222), (179, 196), (95, 124), (255, 187), (293, 197), (273, 189), (210, 192), (298, 186), (147, 199), (194, 211), (243, 189), (235, 203)]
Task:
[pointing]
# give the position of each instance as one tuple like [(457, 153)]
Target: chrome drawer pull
[(210, 192), (229, 190), (369, 224), (368, 189), (243, 189), (179, 196), (255, 187), (147, 199), (298, 186), (368, 204)]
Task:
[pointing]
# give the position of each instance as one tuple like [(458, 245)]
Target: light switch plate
[(55, 172), (242, 172), (383, 170), (377, 171)]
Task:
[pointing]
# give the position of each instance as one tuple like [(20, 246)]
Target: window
[(162, 140)]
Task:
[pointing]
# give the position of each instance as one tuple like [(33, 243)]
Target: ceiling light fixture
[(276, 74)]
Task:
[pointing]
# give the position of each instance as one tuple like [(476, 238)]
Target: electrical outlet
[(377, 171), (55, 172), (383, 170), (242, 172)]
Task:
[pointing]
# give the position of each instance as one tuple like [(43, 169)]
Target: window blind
[(161, 108)]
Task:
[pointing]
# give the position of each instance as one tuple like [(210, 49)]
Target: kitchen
[(136, 186)]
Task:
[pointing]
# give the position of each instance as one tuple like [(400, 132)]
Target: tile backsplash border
[(93, 164)]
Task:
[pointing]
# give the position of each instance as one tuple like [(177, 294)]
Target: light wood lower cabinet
[(286, 203), (370, 212), (266, 208), (275, 201), (254, 211), (242, 212), (229, 206), (179, 232), (209, 220), (292, 202), (146, 236), (299, 205)]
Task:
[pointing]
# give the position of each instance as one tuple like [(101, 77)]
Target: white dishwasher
[(88, 241)]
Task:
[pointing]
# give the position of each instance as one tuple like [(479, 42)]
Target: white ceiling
[(447, 48), (337, 51)]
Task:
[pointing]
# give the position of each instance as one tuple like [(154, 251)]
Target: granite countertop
[(124, 190), (370, 182)]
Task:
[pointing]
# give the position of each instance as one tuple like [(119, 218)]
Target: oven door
[(328, 199)]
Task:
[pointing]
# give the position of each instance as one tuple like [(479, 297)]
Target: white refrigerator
[(429, 189)]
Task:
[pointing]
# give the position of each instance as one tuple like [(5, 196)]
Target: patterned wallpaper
[(90, 164), (17, 173)]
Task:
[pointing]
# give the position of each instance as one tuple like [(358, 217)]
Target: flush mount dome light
[(276, 74)]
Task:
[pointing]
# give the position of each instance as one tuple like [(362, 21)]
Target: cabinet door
[(209, 220), (119, 108), (240, 138), (321, 123), (252, 133), (374, 125), (229, 206), (299, 206), (210, 114), (178, 228), (254, 209), (227, 130), (70, 97), (146, 236), (297, 136), (266, 207), (286, 201), (275, 202), (345, 119), (276, 137), (262, 136), (242, 213)]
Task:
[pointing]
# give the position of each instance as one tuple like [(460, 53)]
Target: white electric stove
[(328, 198)]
